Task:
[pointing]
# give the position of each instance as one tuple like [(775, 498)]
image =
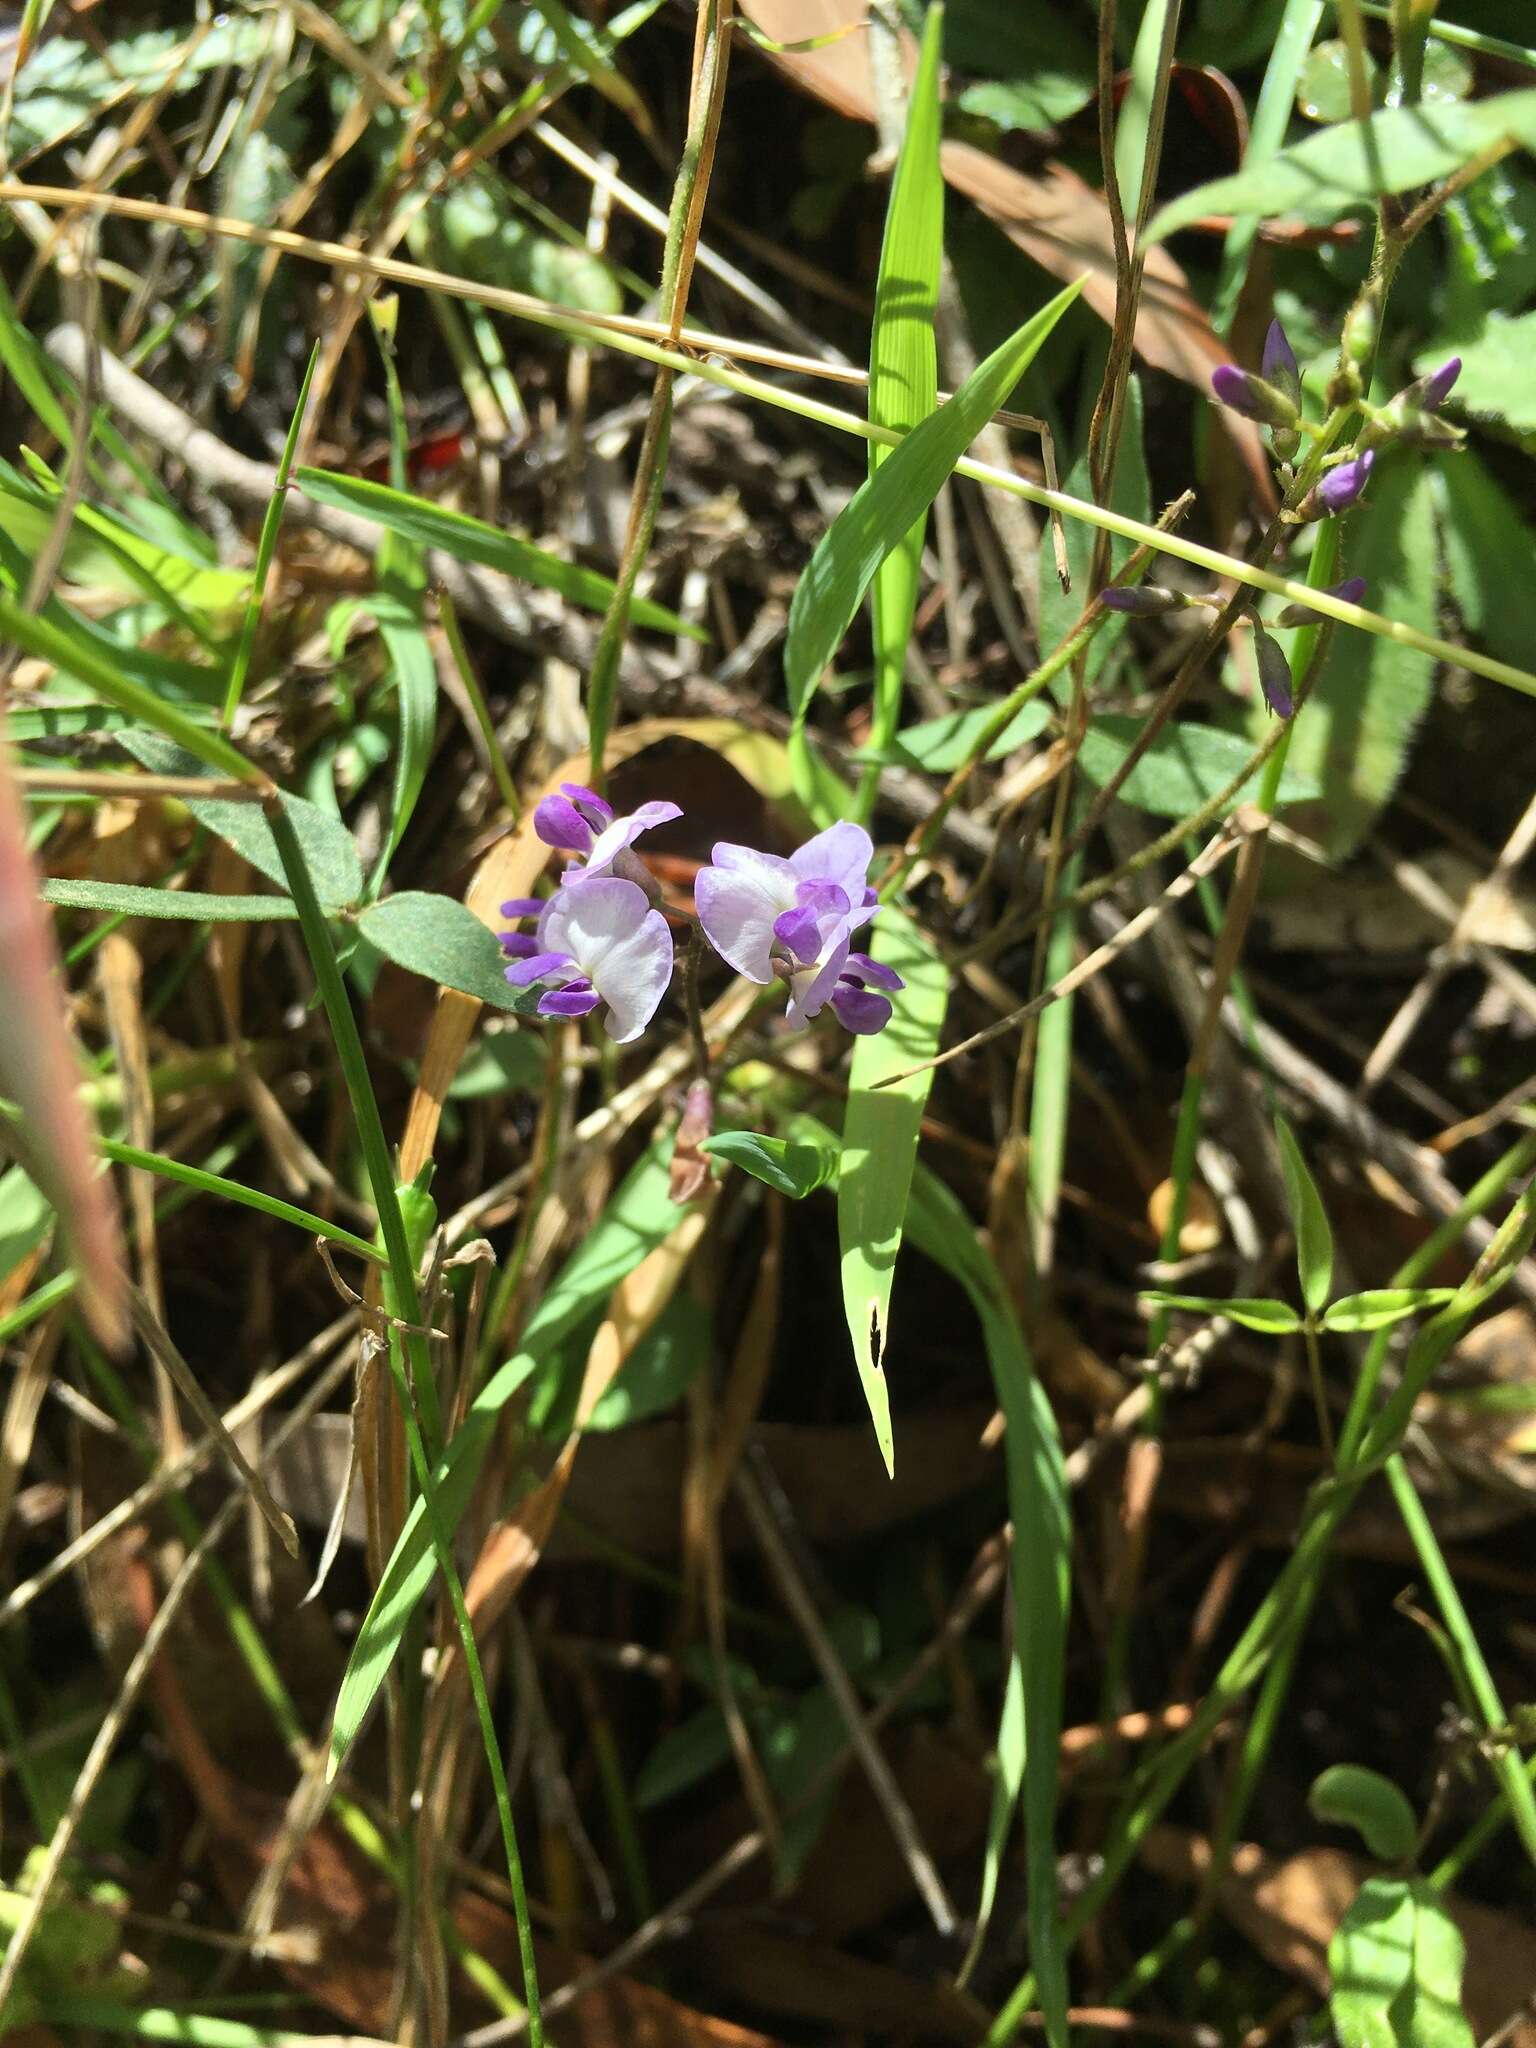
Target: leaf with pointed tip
[(888, 504), (1314, 1234), (880, 1135)]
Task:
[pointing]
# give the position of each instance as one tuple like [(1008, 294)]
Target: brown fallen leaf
[(1057, 219), (1290, 1908)]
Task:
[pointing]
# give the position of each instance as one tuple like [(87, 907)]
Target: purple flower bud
[(522, 906), (1434, 389), (1274, 674), (1351, 590), (1280, 367), (1341, 487), (1142, 600), (1252, 397)]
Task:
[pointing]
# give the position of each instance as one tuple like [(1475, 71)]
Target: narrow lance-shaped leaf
[(1314, 1235), (903, 363), (1041, 1576), (1345, 166), (329, 852), (880, 1136), (887, 504), (475, 540)]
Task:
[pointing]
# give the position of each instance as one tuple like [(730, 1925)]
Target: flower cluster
[(600, 938), (1273, 399)]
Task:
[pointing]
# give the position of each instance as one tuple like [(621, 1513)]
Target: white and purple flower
[(794, 920), (598, 940), (579, 821)]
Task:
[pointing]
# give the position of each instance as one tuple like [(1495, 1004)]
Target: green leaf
[(687, 1754), (1354, 733), (438, 937), (637, 1219), (329, 852), (655, 1376), (1496, 381), (1254, 1312), (58, 636), (1488, 548), (1439, 1959), (1378, 1307), (1350, 1796), (903, 360), (1329, 173), (127, 900), (880, 1134), (1041, 1578), (937, 746), (1185, 766), (484, 239), (65, 83), (792, 1167), (1397, 1962), (887, 504), (402, 627), (1314, 1236), (1323, 91), (1035, 68), (1370, 1959), (474, 540), (1008, 1777)]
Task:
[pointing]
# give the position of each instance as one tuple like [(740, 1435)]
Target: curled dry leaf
[(37, 1072)]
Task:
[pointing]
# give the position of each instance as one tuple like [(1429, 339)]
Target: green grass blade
[(1042, 1574), (401, 619), (887, 505), (904, 370), (266, 546), (880, 1136), (474, 540), (1314, 1233), (234, 1191), (639, 1217), (50, 641)]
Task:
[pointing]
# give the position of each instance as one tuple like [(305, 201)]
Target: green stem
[(1293, 1591), (381, 1175), (1507, 1767)]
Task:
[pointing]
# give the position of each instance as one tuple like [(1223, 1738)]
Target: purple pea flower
[(581, 822), (598, 941), (1351, 590), (794, 919)]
